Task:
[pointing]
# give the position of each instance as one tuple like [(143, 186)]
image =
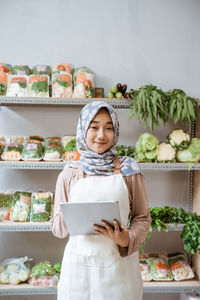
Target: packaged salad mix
[(38, 86), (21, 70), (53, 151), (5, 206), (12, 151), (70, 149), (32, 150), (41, 206), (21, 207), (3, 83), (180, 267), (17, 86), (41, 70), (160, 269), (84, 86), (62, 85)]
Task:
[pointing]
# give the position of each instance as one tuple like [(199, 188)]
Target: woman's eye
[(93, 127), (110, 128)]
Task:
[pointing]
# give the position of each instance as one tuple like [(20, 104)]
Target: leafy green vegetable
[(44, 268), (40, 86), (186, 156), (64, 83), (70, 146), (22, 84), (146, 148), (21, 206), (6, 200), (122, 150), (194, 147), (32, 150), (2, 89), (24, 68), (90, 92), (40, 207), (13, 147), (57, 267)]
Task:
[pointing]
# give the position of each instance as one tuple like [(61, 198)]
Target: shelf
[(49, 101), (24, 226), (149, 287), (60, 165), (45, 226)]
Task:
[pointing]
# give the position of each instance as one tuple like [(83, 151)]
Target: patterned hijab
[(92, 162)]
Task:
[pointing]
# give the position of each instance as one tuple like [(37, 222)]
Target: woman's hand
[(119, 237)]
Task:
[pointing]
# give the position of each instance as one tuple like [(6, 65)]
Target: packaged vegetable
[(12, 152), (83, 80), (41, 70), (21, 207), (19, 140), (62, 85), (21, 70), (44, 268), (36, 137), (52, 139), (62, 67), (145, 270), (159, 268), (70, 149), (5, 206), (38, 86), (3, 83), (32, 150), (15, 270), (44, 281), (7, 68), (41, 207), (17, 86), (181, 269), (53, 151)]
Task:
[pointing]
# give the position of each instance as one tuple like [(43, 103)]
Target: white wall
[(134, 42)]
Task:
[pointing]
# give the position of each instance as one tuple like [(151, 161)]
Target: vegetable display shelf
[(149, 287), (60, 165), (45, 226), (5, 101)]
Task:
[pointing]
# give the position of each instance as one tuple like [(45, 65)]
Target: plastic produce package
[(41, 70), (62, 67), (3, 83), (19, 140), (44, 268), (145, 270), (45, 274), (7, 68), (70, 149), (159, 268), (53, 151), (32, 150), (83, 83), (5, 206), (38, 86), (12, 152), (21, 207), (181, 269), (62, 85), (1, 146), (21, 70), (41, 207), (17, 86), (36, 137), (15, 270), (44, 281)]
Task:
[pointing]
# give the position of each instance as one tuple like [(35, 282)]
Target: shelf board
[(60, 165), (49, 101), (149, 287), (24, 226)]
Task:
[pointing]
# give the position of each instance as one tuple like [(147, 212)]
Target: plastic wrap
[(41, 70), (21, 207), (38, 86), (159, 268), (36, 137), (181, 269), (62, 85), (19, 140), (21, 70), (53, 151), (7, 68), (5, 206), (17, 86), (41, 207), (12, 152), (62, 67), (70, 150), (44, 281), (83, 83), (3, 83), (32, 150), (145, 270), (15, 270), (52, 139)]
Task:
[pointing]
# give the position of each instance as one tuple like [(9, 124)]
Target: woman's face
[(100, 133)]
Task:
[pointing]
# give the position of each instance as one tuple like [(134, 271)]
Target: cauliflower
[(179, 139), (165, 153)]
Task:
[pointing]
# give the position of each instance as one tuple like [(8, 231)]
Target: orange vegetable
[(72, 155), (176, 265), (8, 215), (81, 78), (3, 77), (3, 68), (88, 84), (18, 79), (60, 68), (35, 78), (161, 266), (64, 77)]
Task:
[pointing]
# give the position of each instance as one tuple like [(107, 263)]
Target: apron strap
[(117, 165)]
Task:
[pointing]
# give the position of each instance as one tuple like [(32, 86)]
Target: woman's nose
[(100, 133)]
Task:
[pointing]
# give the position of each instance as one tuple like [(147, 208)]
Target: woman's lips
[(100, 143)]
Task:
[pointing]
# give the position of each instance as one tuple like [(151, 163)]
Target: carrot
[(3, 77), (18, 79), (8, 215), (60, 68), (64, 77), (81, 77), (35, 78), (3, 68), (67, 67), (88, 84)]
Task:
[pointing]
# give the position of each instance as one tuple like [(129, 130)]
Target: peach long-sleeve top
[(138, 202)]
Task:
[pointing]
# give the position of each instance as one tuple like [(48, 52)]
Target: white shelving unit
[(149, 287)]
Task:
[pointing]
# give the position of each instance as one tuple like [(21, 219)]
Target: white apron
[(92, 268)]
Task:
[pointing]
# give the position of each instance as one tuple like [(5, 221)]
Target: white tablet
[(80, 217)]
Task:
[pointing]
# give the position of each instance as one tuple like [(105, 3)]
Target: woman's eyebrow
[(109, 123)]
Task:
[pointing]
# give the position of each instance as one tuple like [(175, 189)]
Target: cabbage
[(146, 148), (194, 147), (186, 156)]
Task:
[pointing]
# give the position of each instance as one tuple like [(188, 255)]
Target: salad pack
[(36, 137), (181, 269), (21, 70), (3, 83), (41, 207), (38, 86), (33, 150), (7, 68), (160, 269), (53, 150), (21, 207), (83, 83), (62, 85), (12, 151), (17, 86), (5, 206), (15, 270), (70, 149), (41, 70), (62, 67)]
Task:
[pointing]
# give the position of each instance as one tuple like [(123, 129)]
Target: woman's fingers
[(116, 226), (107, 226)]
